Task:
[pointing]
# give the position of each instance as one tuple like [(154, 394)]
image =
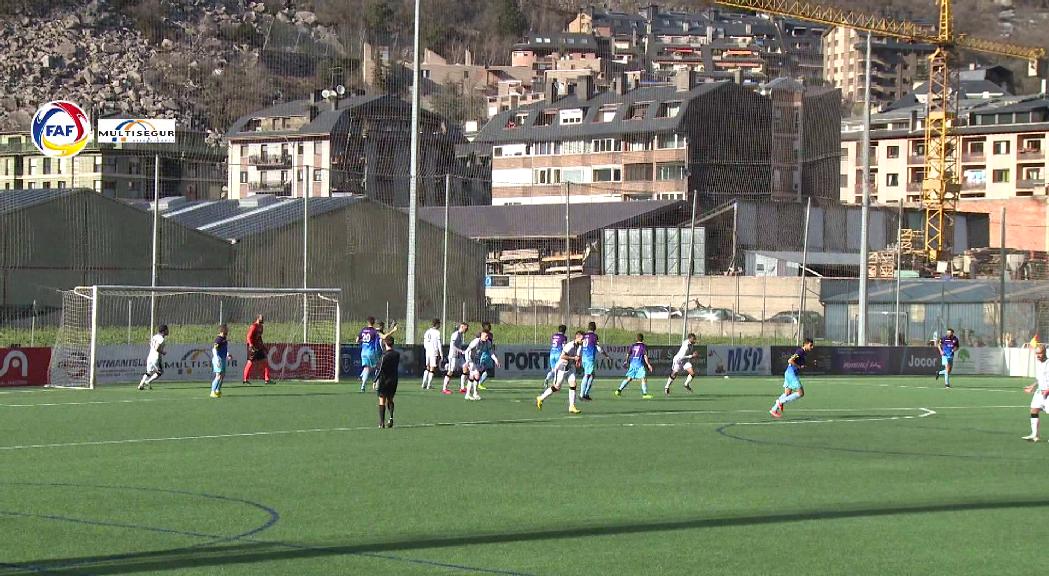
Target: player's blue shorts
[(554, 358), (368, 359), (947, 361), (218, 365), (791, 380), (636, 371), (589, 366)]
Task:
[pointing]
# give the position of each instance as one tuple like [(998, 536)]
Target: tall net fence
[(565, 176)]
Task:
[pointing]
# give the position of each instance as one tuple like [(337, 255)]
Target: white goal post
[(104, 334)]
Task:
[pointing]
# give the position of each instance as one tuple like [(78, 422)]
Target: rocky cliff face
[(169, 64)]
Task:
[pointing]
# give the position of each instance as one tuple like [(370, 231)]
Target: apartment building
[(326, 145), (664, 142), (714, 42), (1002, 150), (190, 168), (895, 66)]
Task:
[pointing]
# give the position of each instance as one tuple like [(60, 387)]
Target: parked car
[(720, 315), (660, 312), (597, 311), (626, 312), (813, 321)]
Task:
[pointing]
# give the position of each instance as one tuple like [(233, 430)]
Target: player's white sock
[(546, 394), (445, 385), (688, 380), (427, 377), (143, 381), (462, 382), (484, 376), (152, 378), (571, 396), (790, 398), (644, 388), (781, 398), (364, 377), (670, 381), (1034, 426)]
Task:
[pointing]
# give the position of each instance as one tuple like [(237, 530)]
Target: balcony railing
[(974, 157), (271, 160), (277, 188), (914, 186), (1031, 155), (916, 159), (1030, 183), (968, 185)]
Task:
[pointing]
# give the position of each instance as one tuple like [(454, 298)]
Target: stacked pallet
[(881, 264)]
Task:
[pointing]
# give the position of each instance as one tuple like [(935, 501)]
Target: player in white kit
[(432, 345), (1040, 391), (154, 363), (683, 363), (456, 359), (568, 365)]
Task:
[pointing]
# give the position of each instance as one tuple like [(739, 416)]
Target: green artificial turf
[(863, 476)]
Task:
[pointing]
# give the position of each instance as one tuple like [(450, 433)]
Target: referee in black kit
[(387, 381)]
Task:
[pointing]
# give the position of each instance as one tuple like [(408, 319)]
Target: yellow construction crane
[(941, 185)]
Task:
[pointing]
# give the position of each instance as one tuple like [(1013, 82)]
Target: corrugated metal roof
[(12, 200), (545, 220), (202, 213), (273, 216), (324, 123)]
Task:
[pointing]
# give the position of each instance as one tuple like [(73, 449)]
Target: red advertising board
[(24, 366)]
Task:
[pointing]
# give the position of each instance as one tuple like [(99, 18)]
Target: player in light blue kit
[(792, 388), (638, 367), (219, 357), (557, 345), (369, 341), (589, 352), (948, 346)]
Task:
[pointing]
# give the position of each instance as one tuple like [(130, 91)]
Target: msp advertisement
[(739, 360)]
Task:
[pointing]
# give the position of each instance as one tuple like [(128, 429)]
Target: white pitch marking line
[(925, 413)]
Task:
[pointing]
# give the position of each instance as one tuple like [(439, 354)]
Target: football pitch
[(862, 476)]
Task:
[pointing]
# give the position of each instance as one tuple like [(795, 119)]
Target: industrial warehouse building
[(53, 240)]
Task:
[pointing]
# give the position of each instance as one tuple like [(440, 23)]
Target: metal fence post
[(804, 270), (1001, 295)]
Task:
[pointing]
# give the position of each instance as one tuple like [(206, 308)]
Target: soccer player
[(256, 351), (477, 354), (432, 345), (219, 356), (557, 345), (638, 367), (683, 363), (456, 359), (368, 338), (154, 364), (488, 359), (1040, 390), (589, 352), (948, 346), (792, 388), (386, 380), (568, 364)]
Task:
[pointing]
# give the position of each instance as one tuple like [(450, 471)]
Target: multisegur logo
[(60, 129), (136, 131)]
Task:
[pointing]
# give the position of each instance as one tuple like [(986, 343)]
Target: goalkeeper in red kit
[(256, 351)]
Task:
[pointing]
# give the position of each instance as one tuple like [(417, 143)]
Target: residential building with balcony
[(895, 66), (322, 146), (191, 168), (633, 142), (1002, 155)]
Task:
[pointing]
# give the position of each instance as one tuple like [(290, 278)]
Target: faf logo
[(136, 131), (15, 360), (60, 129)]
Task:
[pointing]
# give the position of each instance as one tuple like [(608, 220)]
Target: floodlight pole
[(413, 186), (865, 209), (691, 265), (156, 226)]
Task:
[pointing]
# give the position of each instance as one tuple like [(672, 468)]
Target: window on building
[(892, 151), (547, 118), (892, 179), (243, 177), (545, 176), (60, 184), (575, 147), (637, 111), (243, 150), (608, 175), (843, 180), (637, 144), (1031, 145), (999, 176), (976, 148), (638, 172), (1001, 147), (669, 109), (606, 145), (283, 176), (844, 152), (607, 112), (47, 168), (31, 185), (665, 141), (98, 185), (302, 148), (497, 151), (1032, 173), (317, 175), (98, 163), (671, 171), (917, 148), (572, 116), (47, 185)]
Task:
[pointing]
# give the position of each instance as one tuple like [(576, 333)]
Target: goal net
[(105, 331)]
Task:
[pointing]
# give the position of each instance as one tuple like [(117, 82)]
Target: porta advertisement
[(24, 366), (534, 361)]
